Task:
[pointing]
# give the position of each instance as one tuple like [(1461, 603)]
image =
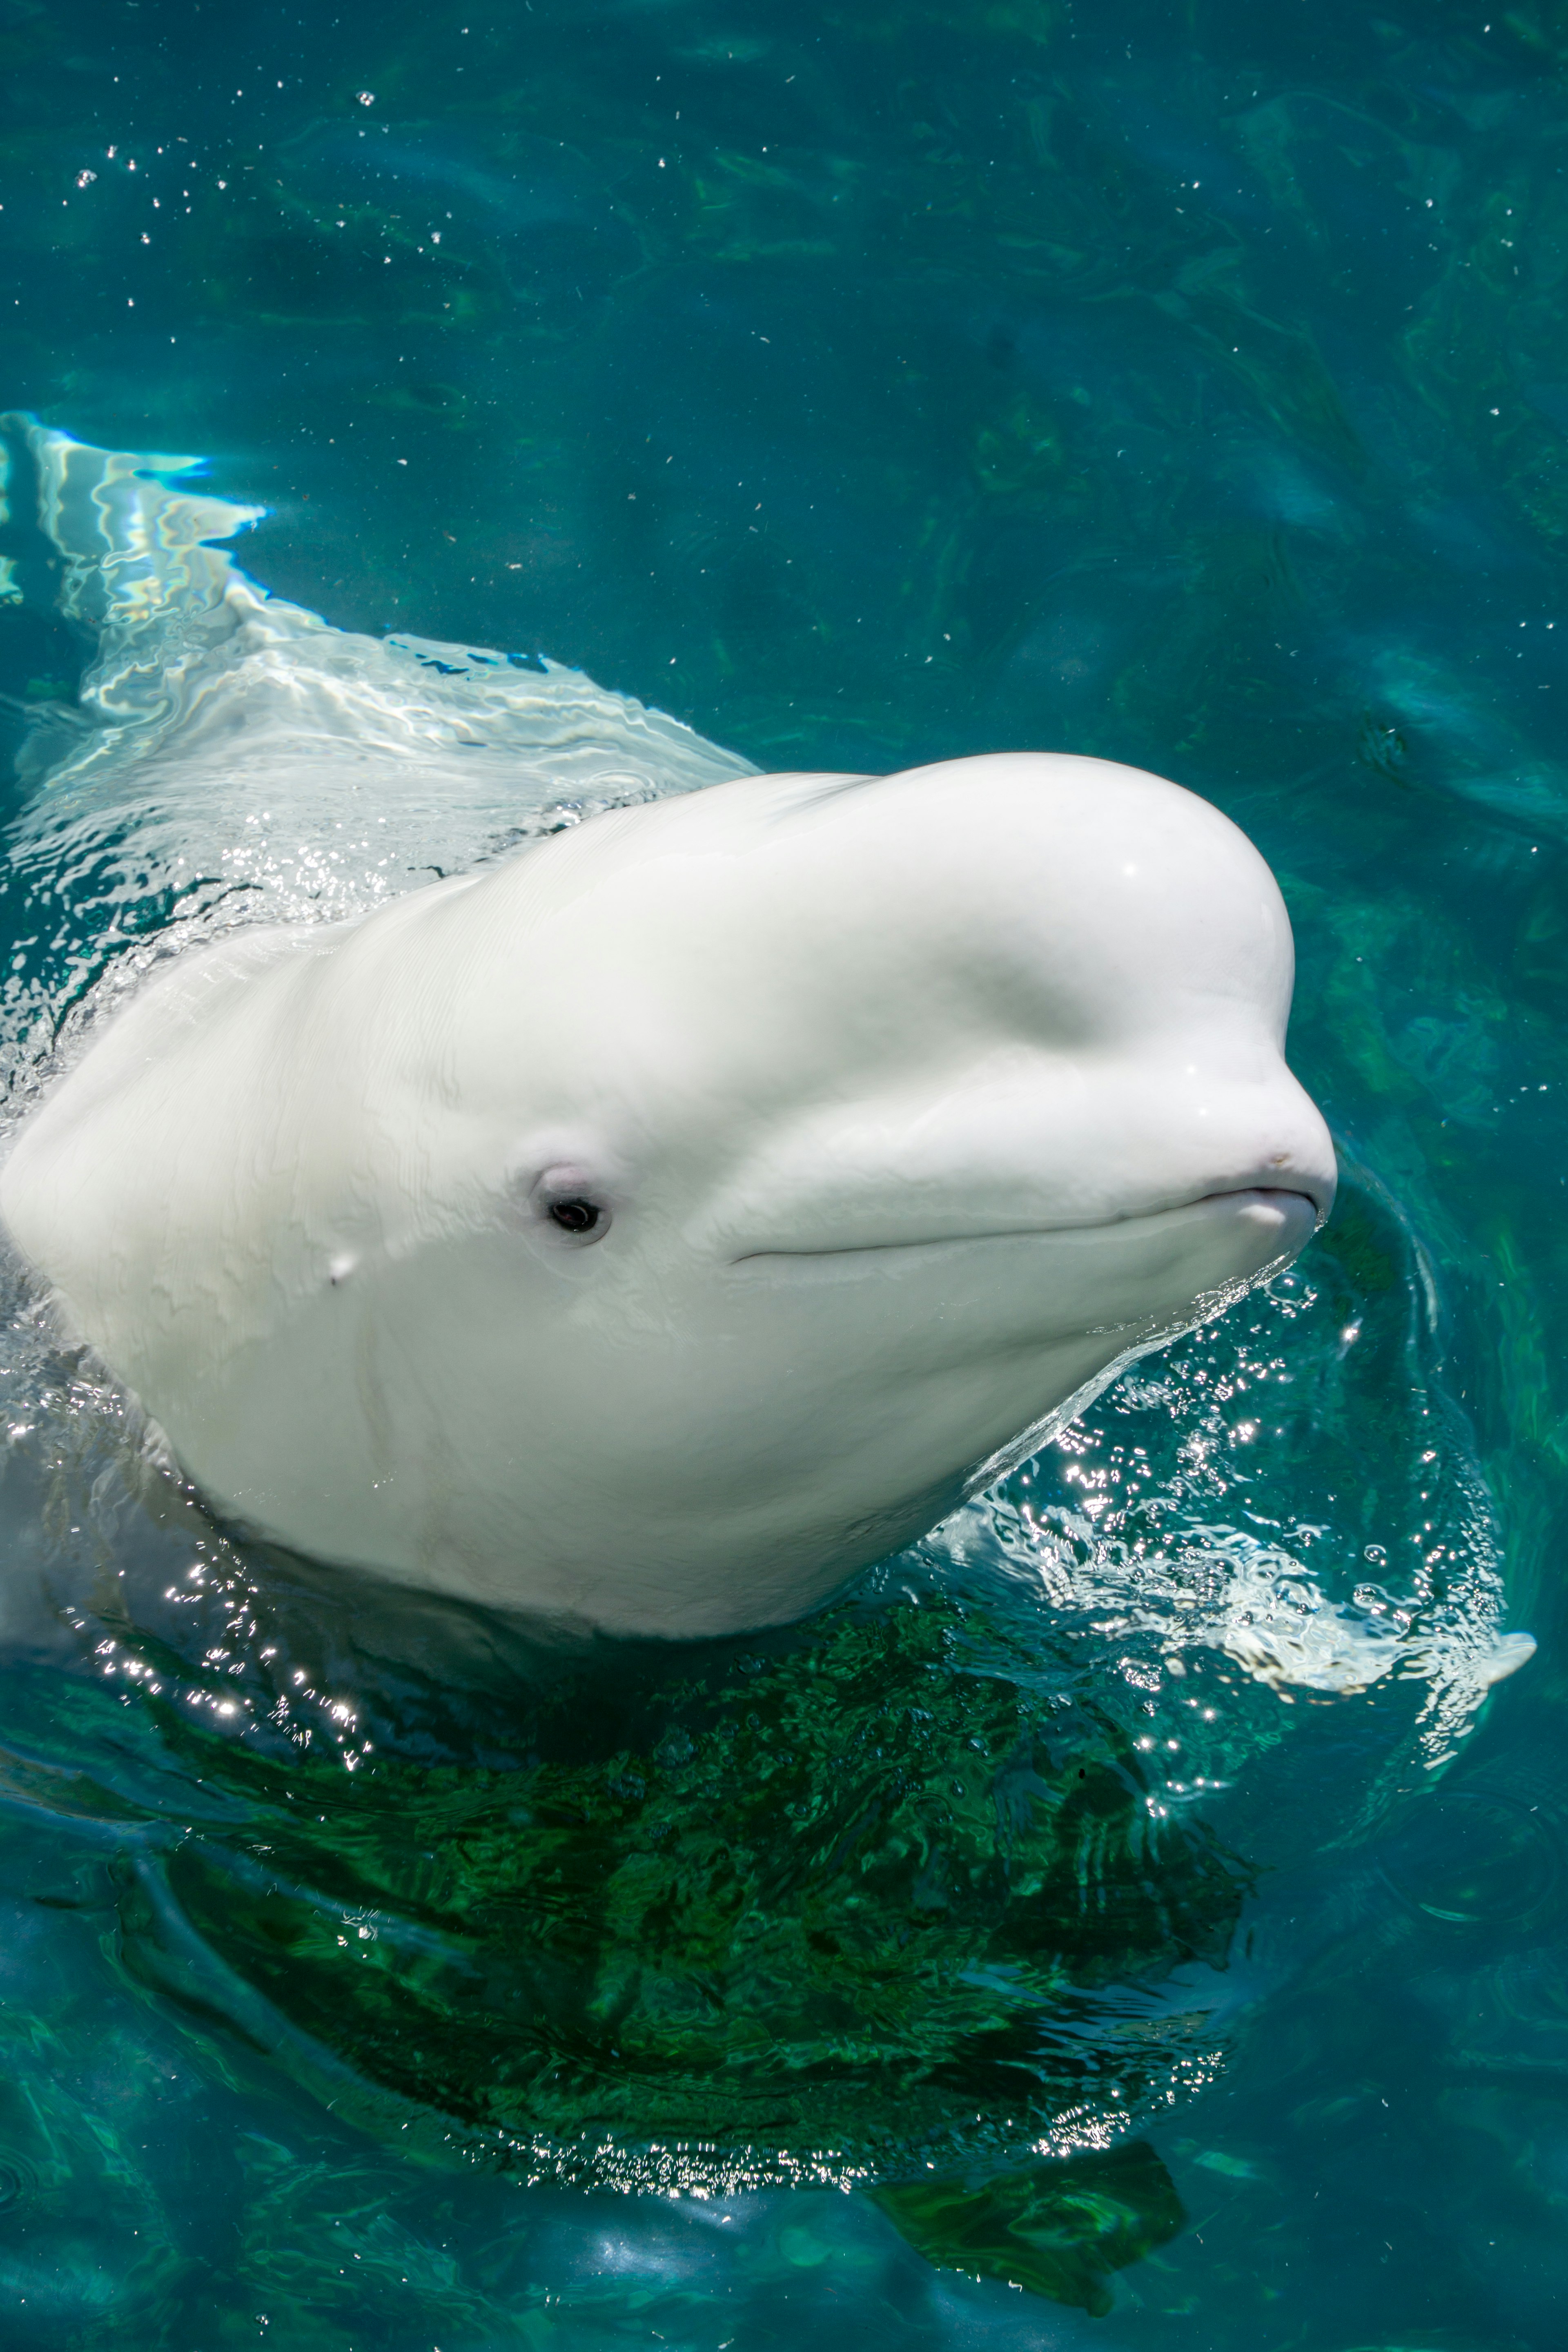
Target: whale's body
[(644, 1229), (652, 1229)]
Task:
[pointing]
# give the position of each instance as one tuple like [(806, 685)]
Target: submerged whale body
[(653, 1226)]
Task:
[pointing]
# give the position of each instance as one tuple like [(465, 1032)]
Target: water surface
[(1153, 1860)]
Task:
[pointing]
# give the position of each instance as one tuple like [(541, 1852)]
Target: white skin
[(650, 1231)]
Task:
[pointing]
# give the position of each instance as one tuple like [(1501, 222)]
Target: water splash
[(231, 758)]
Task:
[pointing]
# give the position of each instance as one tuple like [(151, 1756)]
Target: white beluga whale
[(649, 1228), (659, 1226)]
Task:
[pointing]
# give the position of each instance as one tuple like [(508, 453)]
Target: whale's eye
[(574, 1216), (568, 1196)]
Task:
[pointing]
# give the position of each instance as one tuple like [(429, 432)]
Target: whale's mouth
[(1287, 1201), (1270, 1195)]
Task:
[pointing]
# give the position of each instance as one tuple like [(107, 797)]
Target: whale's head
[(653, 1229)]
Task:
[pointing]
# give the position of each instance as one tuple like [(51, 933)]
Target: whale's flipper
[(231, 757)]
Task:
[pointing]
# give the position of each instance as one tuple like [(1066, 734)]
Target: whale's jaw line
[(1266, 1196), (1269, 1195)]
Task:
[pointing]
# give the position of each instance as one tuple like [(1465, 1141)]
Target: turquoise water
[(1185, 385)]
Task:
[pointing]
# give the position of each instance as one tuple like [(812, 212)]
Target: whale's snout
[(1300, 1159), (1303, 1166), (1246, 1130)]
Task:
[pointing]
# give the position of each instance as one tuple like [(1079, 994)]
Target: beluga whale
[(692, 1191)]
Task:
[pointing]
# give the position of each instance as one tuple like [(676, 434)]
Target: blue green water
[(1158, 1859)]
